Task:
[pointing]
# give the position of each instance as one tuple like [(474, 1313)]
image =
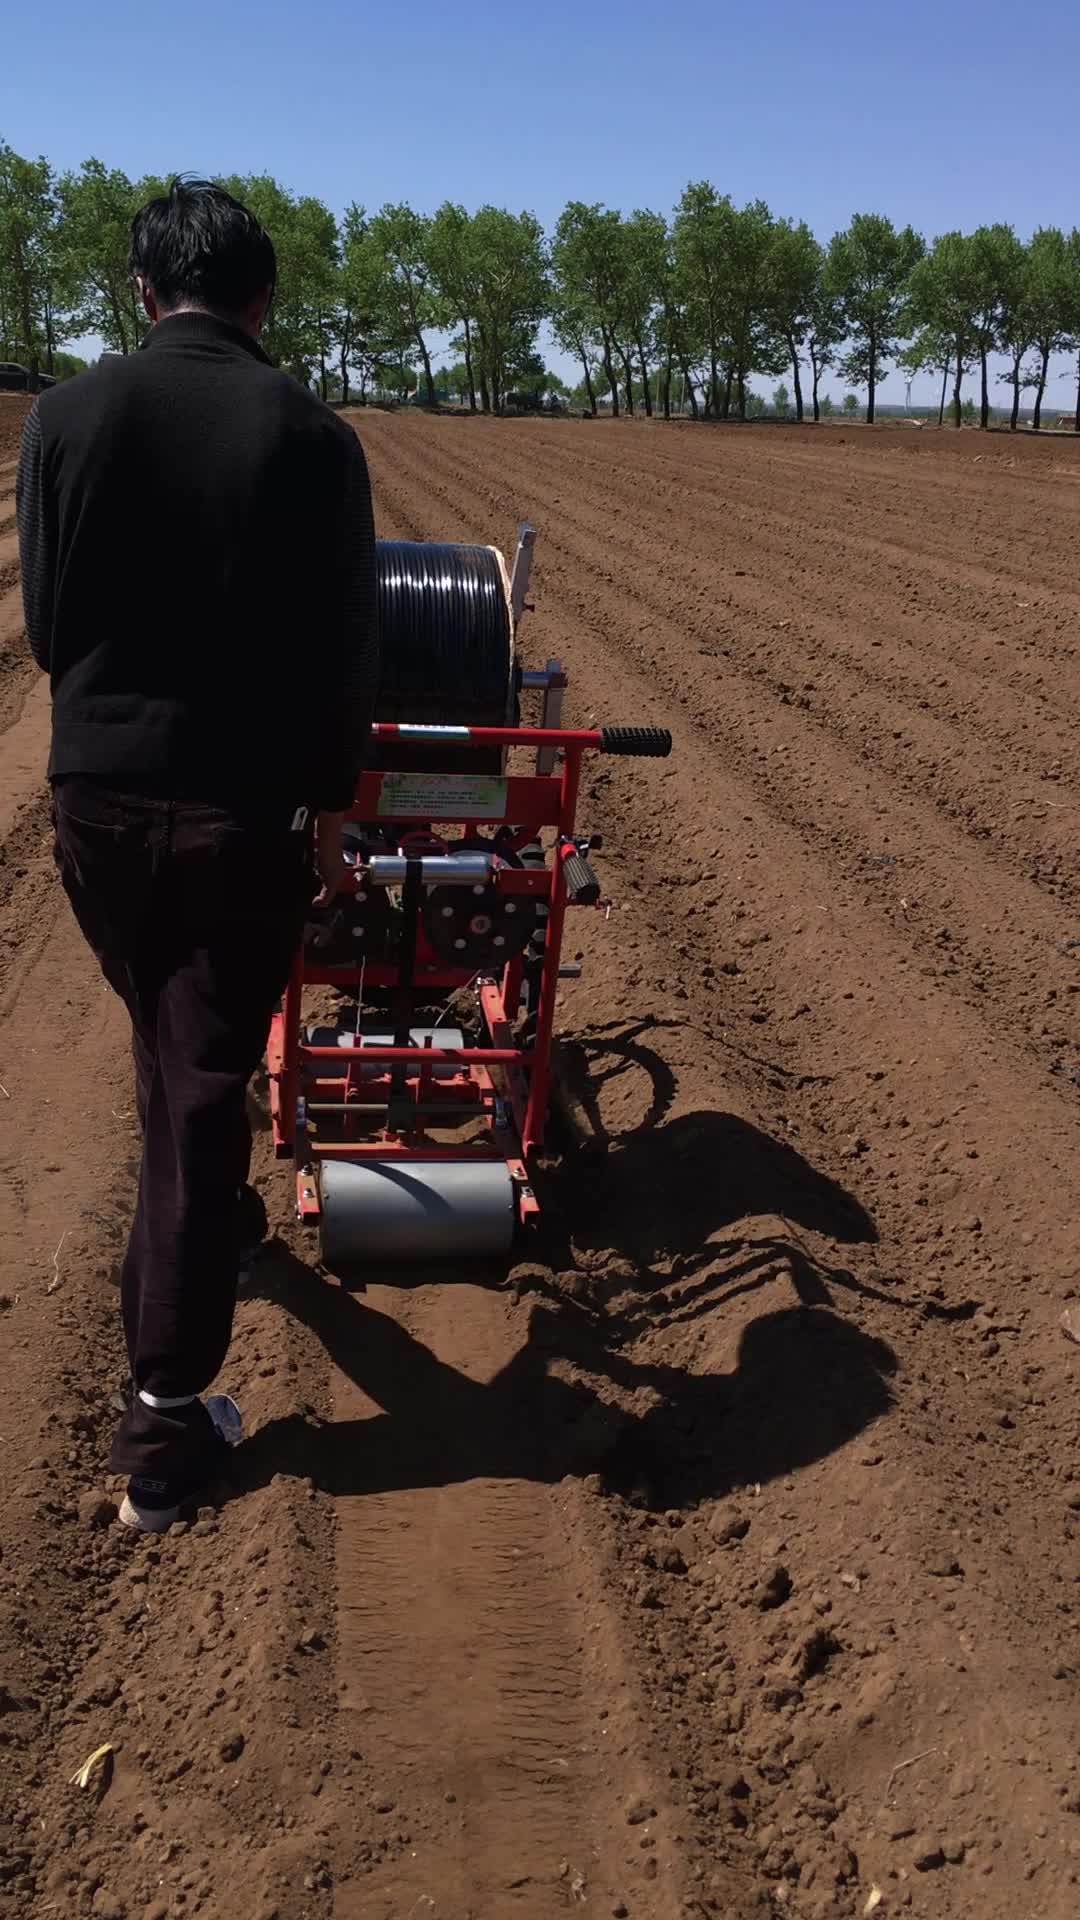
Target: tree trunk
[(609, 369), (729, 381), (645, 380), (50, 339), (816, 373), (944, 391), (426, 358), (118, 319), (714, 385), (984, 395), (588, 379), (666, 389), (1076, 422), (485, 396), (1015, 377), (795, 372), (871, 385), (628, 376), (1044, 362), (957, 385), (28, 336), (469, 366), (322, 375), (742, 393), (688, 387)]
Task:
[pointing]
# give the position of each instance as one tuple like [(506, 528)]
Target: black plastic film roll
[(446, 648), (445, 635)]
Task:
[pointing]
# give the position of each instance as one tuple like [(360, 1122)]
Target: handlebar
[(647, 742), (652, 743), (582, 885)]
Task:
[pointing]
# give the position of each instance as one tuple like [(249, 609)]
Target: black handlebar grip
[(647, 742), (582, 885)]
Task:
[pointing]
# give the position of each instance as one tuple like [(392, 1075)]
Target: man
[(198, 570)]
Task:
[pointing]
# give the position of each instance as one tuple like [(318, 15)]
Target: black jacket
[(198, 568)]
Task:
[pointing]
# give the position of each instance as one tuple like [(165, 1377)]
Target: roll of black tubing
[(445, 644)]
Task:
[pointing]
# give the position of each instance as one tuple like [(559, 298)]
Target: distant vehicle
[(16, 379)]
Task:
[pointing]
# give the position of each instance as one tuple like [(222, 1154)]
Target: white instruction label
[(441, 796)]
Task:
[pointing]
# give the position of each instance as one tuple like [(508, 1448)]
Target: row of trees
[(646, 306)]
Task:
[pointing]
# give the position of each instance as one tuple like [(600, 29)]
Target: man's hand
[(334, 870)]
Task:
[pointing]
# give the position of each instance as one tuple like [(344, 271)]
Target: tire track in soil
[(477, 1660), (983, 1427)]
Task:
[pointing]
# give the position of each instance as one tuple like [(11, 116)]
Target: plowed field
[(723, 1559)]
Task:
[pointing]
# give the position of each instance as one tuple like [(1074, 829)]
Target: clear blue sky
[(929, 113)]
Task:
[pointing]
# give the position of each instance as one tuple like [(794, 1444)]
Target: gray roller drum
[(415, 1210)]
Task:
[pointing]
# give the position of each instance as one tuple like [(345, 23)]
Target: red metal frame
[(515, 1102)]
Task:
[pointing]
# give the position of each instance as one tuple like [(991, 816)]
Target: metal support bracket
[(519, 577)]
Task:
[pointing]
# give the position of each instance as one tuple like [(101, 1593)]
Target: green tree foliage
[(510, 297), (944, 295), (867, 271), (300, 327), (587, 268), (716, 295), (97, 206), (1052, 305), (451, 247), (997, 273), (29, 278), (1073, 310), (702, 240), (408, 295), (930, 351), (795, 265), (643, 262)]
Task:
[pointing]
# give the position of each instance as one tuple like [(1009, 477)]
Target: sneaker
[(151, 1505)]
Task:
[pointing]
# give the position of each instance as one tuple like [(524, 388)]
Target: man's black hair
[(197, 246)]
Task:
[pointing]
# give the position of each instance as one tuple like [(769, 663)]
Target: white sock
[(162, 1402)]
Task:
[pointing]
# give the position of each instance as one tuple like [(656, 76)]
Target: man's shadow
[(805, 1382)]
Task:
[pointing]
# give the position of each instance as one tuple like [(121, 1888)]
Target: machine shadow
[(672, 1182), (805, 1382)]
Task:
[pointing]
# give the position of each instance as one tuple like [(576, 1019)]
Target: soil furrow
[(881, 832)]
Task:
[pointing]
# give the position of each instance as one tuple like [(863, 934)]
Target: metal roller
[(352, 1049), (415, 1210)]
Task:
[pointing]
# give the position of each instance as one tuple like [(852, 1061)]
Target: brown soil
[(724, 1559)]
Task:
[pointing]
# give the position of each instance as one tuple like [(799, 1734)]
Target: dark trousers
[(194, 913)]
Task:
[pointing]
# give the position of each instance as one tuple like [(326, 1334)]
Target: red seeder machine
[(413, 1108)]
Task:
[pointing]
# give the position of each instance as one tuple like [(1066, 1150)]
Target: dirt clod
[(638, 1812), (774, 1588)]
